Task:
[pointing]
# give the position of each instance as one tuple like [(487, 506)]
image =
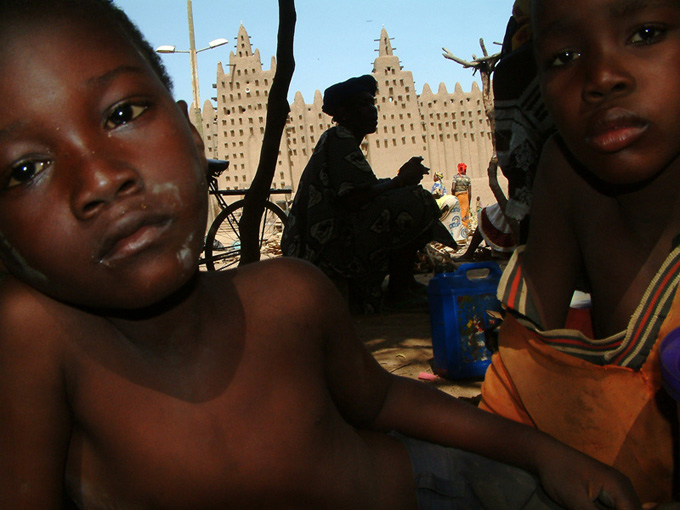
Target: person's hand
[(412, 171), (577, 481)]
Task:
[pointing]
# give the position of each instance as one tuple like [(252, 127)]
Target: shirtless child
[(606, 212), (130, 380)]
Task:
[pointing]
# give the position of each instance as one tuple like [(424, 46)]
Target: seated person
[(451, 218), (450, 214), (438, 189), (605, 218), (353, 226), (129, 379)]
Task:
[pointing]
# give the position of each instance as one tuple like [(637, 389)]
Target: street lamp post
[(198, 122)]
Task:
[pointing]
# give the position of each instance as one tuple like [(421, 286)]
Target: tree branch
[(277, 115), (476, 62), (486, 65)]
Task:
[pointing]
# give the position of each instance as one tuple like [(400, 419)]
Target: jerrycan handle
[(494, 270)]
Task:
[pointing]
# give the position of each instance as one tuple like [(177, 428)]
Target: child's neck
[(169, 328)]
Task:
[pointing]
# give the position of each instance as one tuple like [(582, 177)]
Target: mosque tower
[(445, 128), (400, 134)]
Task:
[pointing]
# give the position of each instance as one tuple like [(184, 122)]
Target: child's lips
[(615, 130), (131, 236)]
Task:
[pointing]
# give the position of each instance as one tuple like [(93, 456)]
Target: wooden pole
[(198, 118)]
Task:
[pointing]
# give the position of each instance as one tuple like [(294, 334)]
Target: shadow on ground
[(402, 344)]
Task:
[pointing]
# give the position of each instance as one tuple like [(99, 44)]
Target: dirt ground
[(402, 344)]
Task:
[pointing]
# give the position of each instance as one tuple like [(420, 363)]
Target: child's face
[(610, 76), (102, 191)]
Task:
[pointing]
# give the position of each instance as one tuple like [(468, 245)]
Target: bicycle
[(223, 240)]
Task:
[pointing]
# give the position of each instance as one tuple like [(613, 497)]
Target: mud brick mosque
[(445, 128)]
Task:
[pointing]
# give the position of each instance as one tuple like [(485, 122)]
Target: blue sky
[(333, 40)]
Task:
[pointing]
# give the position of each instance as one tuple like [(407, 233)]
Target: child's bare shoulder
[(283, 295), (27, 314), (35, 332), (288, 282)]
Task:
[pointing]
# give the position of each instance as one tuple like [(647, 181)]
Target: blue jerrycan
[(459, 303)]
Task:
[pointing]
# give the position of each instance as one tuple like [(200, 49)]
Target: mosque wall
[(445, 128)]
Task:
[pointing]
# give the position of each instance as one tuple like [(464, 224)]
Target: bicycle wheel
[(223, 242)]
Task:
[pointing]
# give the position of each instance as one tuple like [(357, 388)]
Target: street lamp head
[(166, 48), (217, 42)]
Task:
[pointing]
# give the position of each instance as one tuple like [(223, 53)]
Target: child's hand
[(580, 482)]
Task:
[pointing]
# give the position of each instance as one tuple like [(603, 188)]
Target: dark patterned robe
[(347, 242)]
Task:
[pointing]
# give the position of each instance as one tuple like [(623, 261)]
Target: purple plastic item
[(669, 353)]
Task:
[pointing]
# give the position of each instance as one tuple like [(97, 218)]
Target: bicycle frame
[(222, 248), (215, 169)]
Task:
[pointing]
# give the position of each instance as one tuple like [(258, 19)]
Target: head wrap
[(462, 167), (336, 95), (439, 175)]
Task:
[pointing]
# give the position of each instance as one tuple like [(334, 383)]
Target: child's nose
[(101, 182), (607, 77)]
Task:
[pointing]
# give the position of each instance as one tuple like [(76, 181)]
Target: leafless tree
[(486, 66), (277, 115)]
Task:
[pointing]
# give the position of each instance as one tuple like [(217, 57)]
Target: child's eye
[(124, 113), (563, 58), (25, 171), (647, 35)]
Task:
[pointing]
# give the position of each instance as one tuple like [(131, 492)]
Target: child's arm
[(34, 417), (369, 397), (552, 238), (568, 476)]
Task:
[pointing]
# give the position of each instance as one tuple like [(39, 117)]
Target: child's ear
[(182, 105)]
